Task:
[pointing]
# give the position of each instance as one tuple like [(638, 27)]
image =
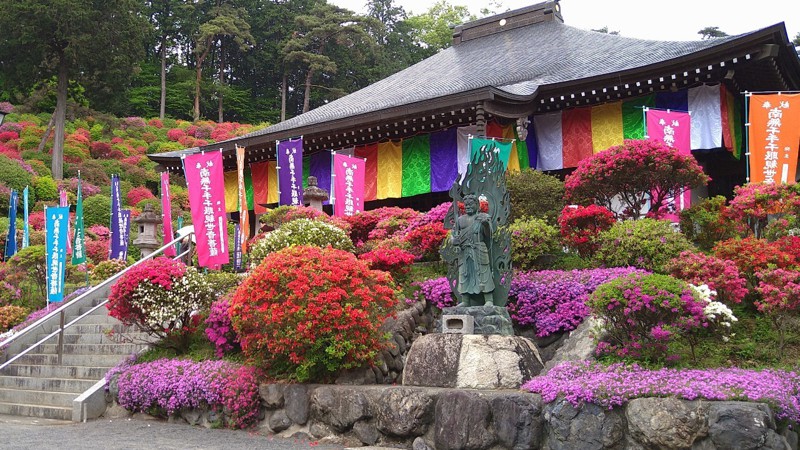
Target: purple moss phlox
[(589, 382)]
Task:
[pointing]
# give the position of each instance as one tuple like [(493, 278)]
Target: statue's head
[(470, 204)]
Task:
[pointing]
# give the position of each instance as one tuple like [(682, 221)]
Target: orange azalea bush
[(305, 312)]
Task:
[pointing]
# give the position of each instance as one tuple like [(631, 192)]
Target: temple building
[(560, 92)]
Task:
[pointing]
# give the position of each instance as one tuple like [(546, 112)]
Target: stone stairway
[(35, 385)]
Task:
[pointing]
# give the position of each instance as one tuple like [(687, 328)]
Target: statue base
[(488, 319)]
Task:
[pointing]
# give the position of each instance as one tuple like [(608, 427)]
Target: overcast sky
[(664, 20)]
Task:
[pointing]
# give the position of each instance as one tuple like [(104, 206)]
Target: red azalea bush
[(138, 194), (36, 220), (393, 260), (755, 201), (6, 136), (780, 297), (175, 134), (394, 223), (719, 274), (306, 312), (633, 173), (580, 226), (426, 240), (364, 222), (752, 255)]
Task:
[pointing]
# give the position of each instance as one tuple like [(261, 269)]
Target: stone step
[(87, 328), (97, 319), (93, 349), (72, 372), (45, 412), (100, 338), (44, 398), (99, 311), (106, 361), (46, 384)]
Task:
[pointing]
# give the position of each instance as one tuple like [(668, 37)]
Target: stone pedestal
[(488, 319), (471, 361)]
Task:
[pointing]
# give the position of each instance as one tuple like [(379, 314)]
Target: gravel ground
[(44, 434)]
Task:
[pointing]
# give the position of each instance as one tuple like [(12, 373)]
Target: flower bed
[(588, 382)]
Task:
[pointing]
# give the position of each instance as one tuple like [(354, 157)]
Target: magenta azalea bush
[(165, 386), (219, 328), (589, 382), (553, 301), (436, 291)]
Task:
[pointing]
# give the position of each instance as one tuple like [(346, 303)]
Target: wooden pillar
[(480, 119)]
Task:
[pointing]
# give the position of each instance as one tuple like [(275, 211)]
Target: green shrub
[(704, 223), (300, 232), (40, 167), (46, 188), (11, 315), (13, 175), (531, 239), (535, 194), (222, 282), (647, 243), (105, 269), (97, 210)]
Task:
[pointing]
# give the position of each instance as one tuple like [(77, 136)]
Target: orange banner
[(244, 215), (774, 137)]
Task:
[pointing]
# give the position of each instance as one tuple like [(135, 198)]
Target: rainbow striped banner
[(431, 162)]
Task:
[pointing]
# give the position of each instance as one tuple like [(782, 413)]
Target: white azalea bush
[(716, 312), (300, 232), (161, 297)]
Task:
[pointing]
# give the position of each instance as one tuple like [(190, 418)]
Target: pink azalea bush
[(753, 202), (138, 194), (719, 274), (435, 291), (609, 386), (164, 387), (634, 172), (219, 328), (780, 297)]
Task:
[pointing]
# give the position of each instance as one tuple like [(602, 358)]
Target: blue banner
[(237, 249), (121, 249), (56, 251), (119, 242), (26, 240), (11, 239)]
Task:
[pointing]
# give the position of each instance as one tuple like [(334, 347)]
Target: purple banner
[(444, 159), (237, 249), (119, 242), (533, 144), (290, 172), (320, 167)]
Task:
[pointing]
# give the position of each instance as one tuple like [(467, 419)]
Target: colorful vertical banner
[(26, 239), (503, 149), (11, 238), (206, 184), (705, 104), (607, 126), (260, 173), (79, 238), (56, 251), (348, 180), (576, 129), (244, 214), (390, 170), (125, 232), (290, 172), (166, 215), (320, 167), (444, 159), (62, 201), (416, 166), (237, 248), (119, 242), (675, 130), (548, 132), (774, 136)]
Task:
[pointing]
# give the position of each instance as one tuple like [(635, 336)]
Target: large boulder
[(339, 407), (404, 412), (296, 403), (579, 345), (496, 362), (667, 423), (462, 422), (433, 361), (589, 427), (743, 426), (517, 420)]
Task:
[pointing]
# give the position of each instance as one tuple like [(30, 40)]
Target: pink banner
[(206, 184), (348, 184), (674, 129), (166, 215)]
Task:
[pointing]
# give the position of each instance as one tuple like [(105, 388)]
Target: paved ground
[(117, 434)]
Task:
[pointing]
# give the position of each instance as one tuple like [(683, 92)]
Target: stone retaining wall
[(444, 419)]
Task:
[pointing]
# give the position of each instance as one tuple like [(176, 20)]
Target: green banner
[(79, 240), (633, 126), (416, 165)]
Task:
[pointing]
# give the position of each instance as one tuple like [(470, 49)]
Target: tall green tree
[(711, 32), (432, 28), (94, 42), (320, 34), (167, 18), (225, 21)]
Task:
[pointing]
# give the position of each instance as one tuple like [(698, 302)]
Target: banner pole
[(747, 135)]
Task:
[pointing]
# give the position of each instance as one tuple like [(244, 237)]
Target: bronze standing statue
[(472, 238)]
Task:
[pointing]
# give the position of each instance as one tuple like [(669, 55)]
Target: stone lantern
[(147, 221), (314, 195)]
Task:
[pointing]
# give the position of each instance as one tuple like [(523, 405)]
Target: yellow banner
[(390, 170), (606, 126)]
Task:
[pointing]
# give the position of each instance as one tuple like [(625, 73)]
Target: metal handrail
[(61, 310)]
